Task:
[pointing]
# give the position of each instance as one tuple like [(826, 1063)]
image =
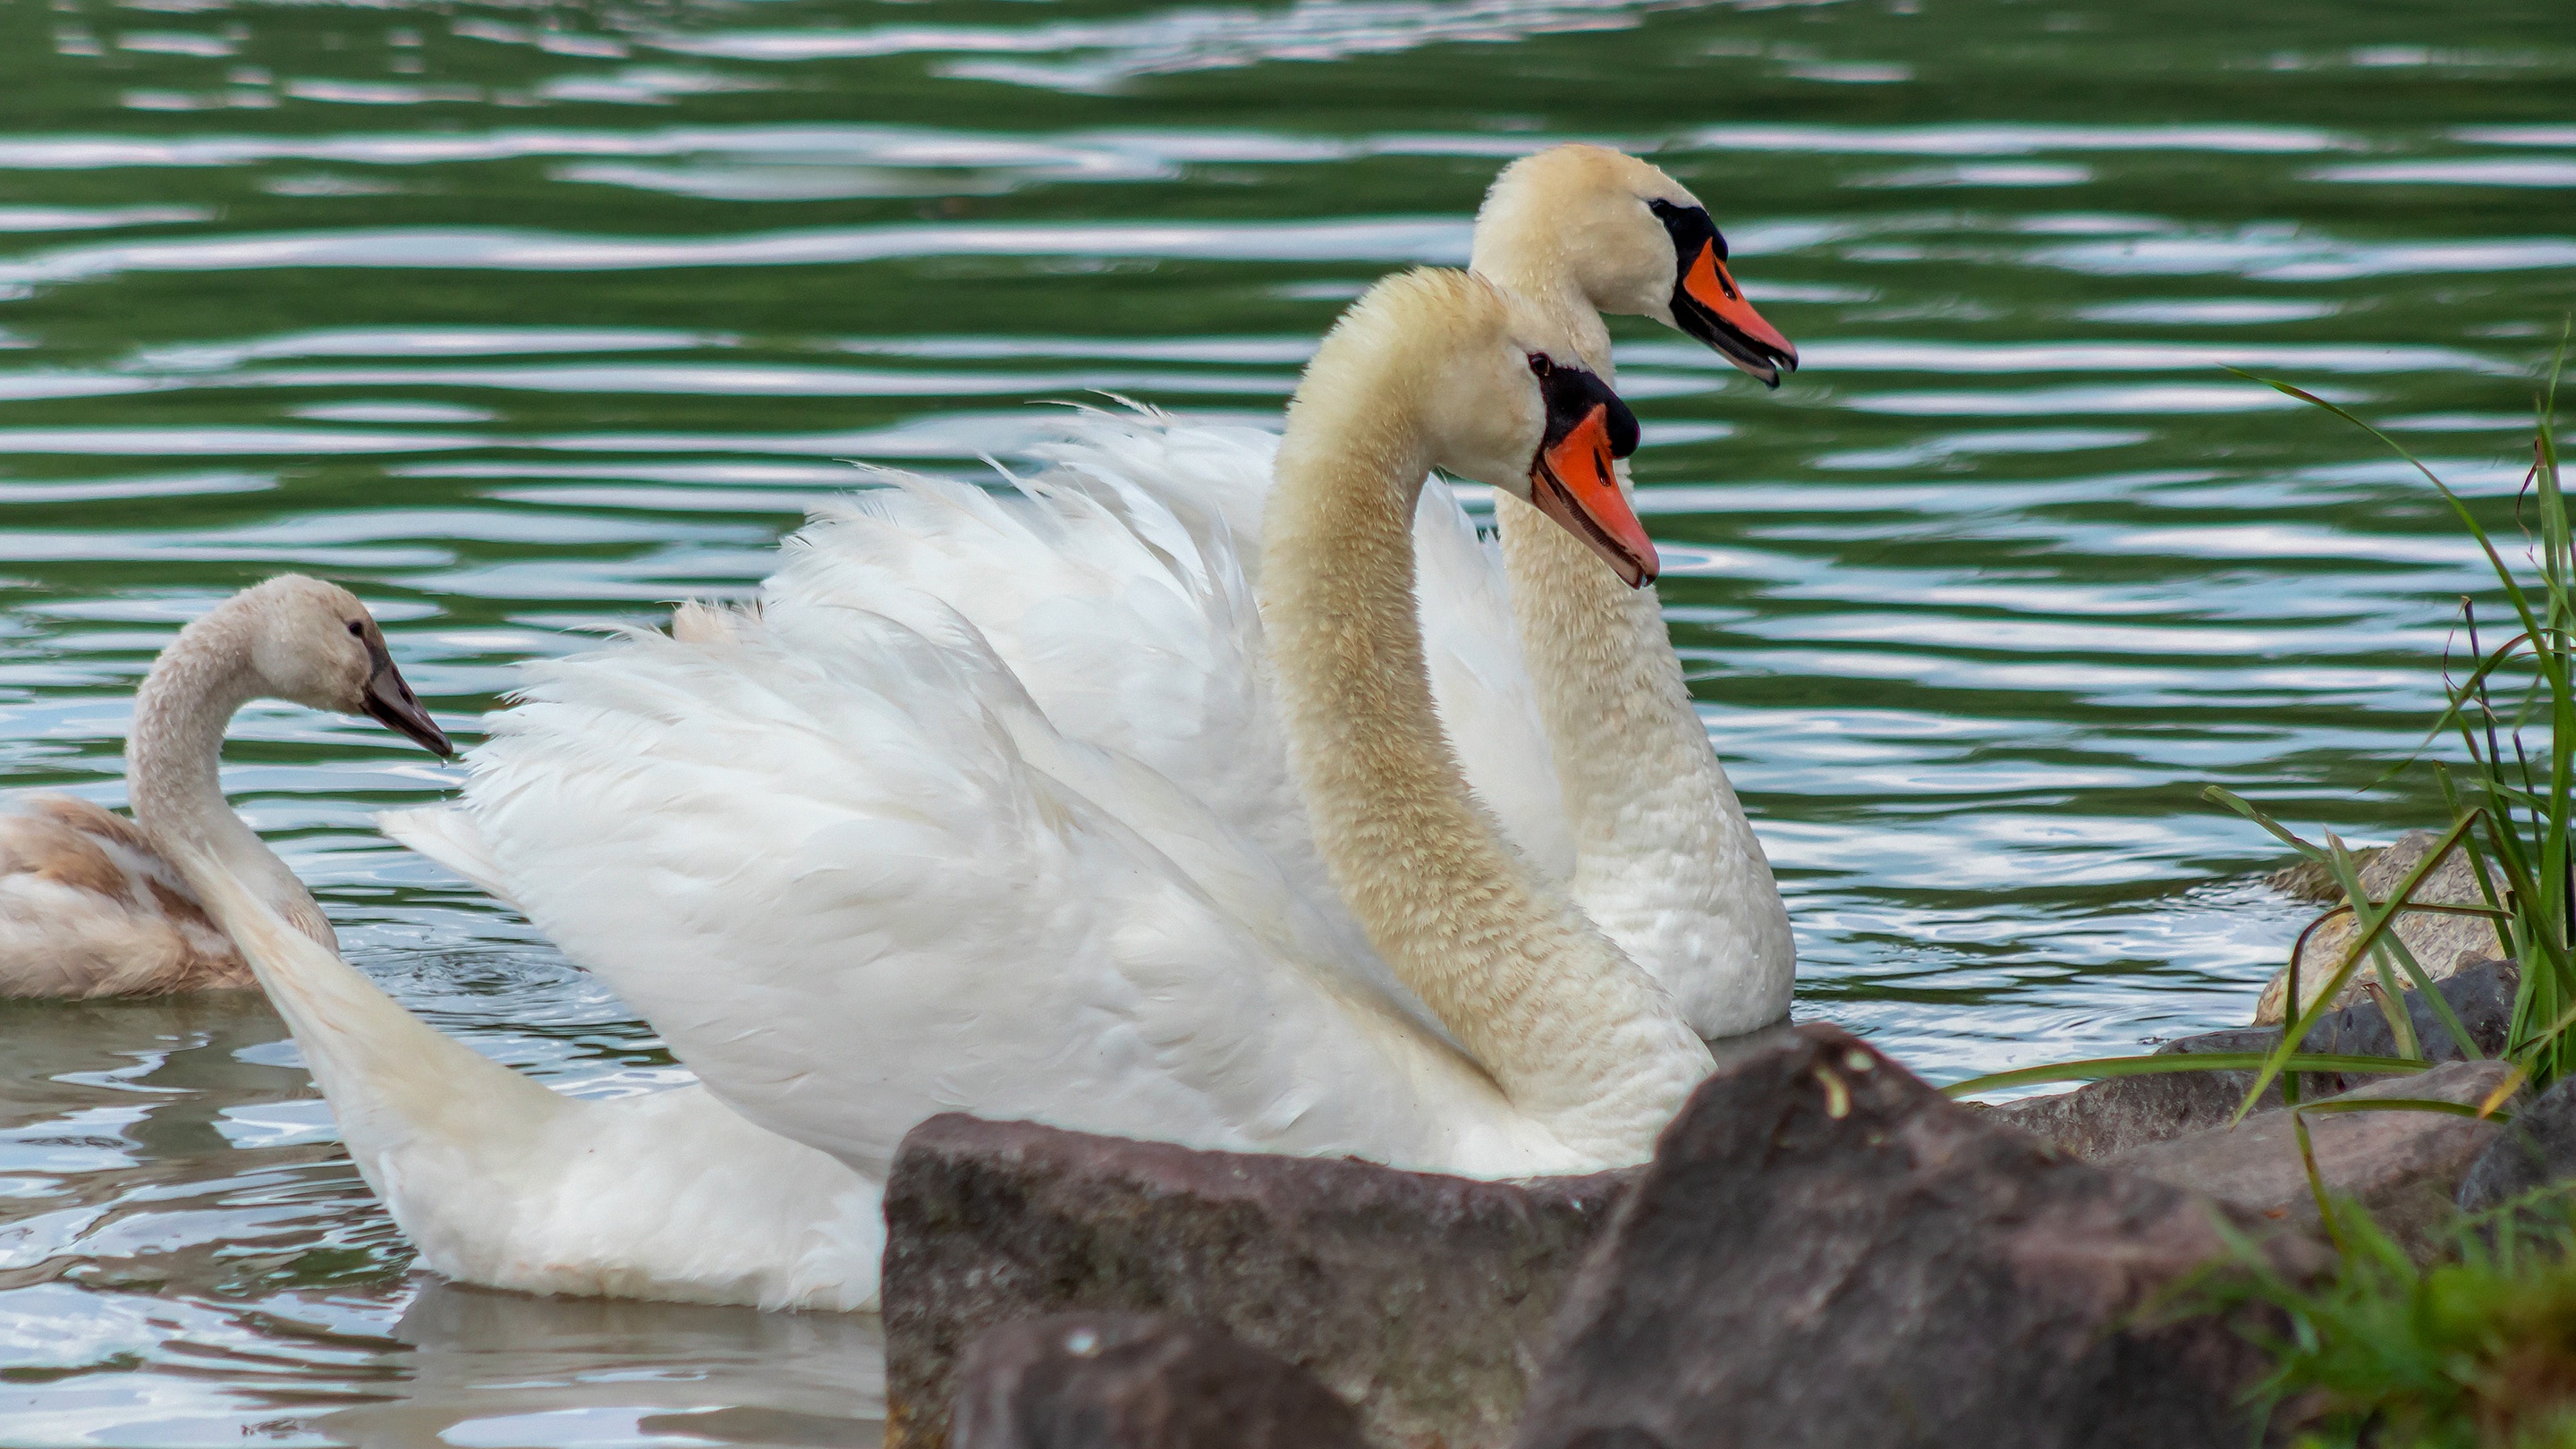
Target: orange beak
[(1728, 323), (1573, 482)]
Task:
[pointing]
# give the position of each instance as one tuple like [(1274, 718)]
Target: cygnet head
[(1633, 240), (1491, 386), (314, 644)]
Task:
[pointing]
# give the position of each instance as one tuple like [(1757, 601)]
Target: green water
[(526, 318)]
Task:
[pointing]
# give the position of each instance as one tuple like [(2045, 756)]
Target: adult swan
[(856, 877), (1556, 682)]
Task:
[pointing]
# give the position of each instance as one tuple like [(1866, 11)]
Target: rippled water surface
[(528, 318)]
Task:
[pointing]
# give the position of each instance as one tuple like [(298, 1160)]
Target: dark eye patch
[(1572, 393), (1690, 229)]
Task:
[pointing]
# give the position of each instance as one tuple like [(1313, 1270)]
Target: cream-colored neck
[(1576, 1036), (174, 759)]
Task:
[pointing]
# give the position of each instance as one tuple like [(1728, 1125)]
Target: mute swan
[(90, 904), (497, 1180), (856, 876), (1558, 685), (1664, 860)]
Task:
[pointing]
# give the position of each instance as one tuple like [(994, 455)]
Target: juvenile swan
[(856, 876), (90, 903), (496, 1180)]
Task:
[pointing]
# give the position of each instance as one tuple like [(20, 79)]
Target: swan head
[(1493, 390), (1633, 241), (314, 644)]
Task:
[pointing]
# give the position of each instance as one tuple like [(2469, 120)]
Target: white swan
[(1572, 719), (90, 903), (856, 876), (494, 1178), (1663, 858)]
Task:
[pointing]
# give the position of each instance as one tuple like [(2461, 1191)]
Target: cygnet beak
[(391, 703)]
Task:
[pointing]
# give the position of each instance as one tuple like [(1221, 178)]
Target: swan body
[(1557, 685), (496, 1179), (856, 873), (89, 907)]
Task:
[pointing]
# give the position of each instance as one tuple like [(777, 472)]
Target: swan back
[(89, 908)]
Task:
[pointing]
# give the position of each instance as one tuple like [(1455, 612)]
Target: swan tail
[(448, 836)]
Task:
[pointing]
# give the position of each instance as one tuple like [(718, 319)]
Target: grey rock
[(1420, 1300), (2537, 1149), (1826, 1252), (2309, 880), (2441, 944), (1135, 1381), (2106, 1118), (2404, 1166)]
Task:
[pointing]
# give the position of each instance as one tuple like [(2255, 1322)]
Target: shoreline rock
[(2537, 1149), (1421, 1300), (2103, 1119), (1827, 1252), (1135, 1381), (2404, 1167), (2441, 944)]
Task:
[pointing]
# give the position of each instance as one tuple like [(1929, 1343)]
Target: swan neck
[(174, 761), (1532, 259), (1574, 1034)]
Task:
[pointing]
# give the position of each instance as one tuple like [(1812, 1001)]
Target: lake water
[(525, 318)]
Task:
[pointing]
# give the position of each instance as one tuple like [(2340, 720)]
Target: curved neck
[(174, 759), (1637, 776), (1574, 1034)]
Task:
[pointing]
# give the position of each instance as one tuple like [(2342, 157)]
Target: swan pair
[(856, 873)]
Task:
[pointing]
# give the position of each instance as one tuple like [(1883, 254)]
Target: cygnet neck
[(174, 760), (1575, 1035)]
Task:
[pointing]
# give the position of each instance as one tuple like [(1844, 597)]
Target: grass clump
[(2512, 807), (2475, 1351)]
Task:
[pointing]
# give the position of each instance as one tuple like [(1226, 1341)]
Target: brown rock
[(1420, 1300), (2403, 1166), (2106, 1118), (1826, 1252), (2440, 944), (1134, 1381), (2537, 1149)]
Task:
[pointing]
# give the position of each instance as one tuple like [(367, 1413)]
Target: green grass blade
[(2105, 1068), (2247, 808)]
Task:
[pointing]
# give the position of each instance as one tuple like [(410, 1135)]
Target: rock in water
[(1135, 1381), (2403, 1166), (1421, 1300), (1826, 1252), (2538, 1149), (2109, 1117), (2440, 944)]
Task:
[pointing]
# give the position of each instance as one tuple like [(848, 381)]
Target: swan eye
[(357, 630), (1541, 364)]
